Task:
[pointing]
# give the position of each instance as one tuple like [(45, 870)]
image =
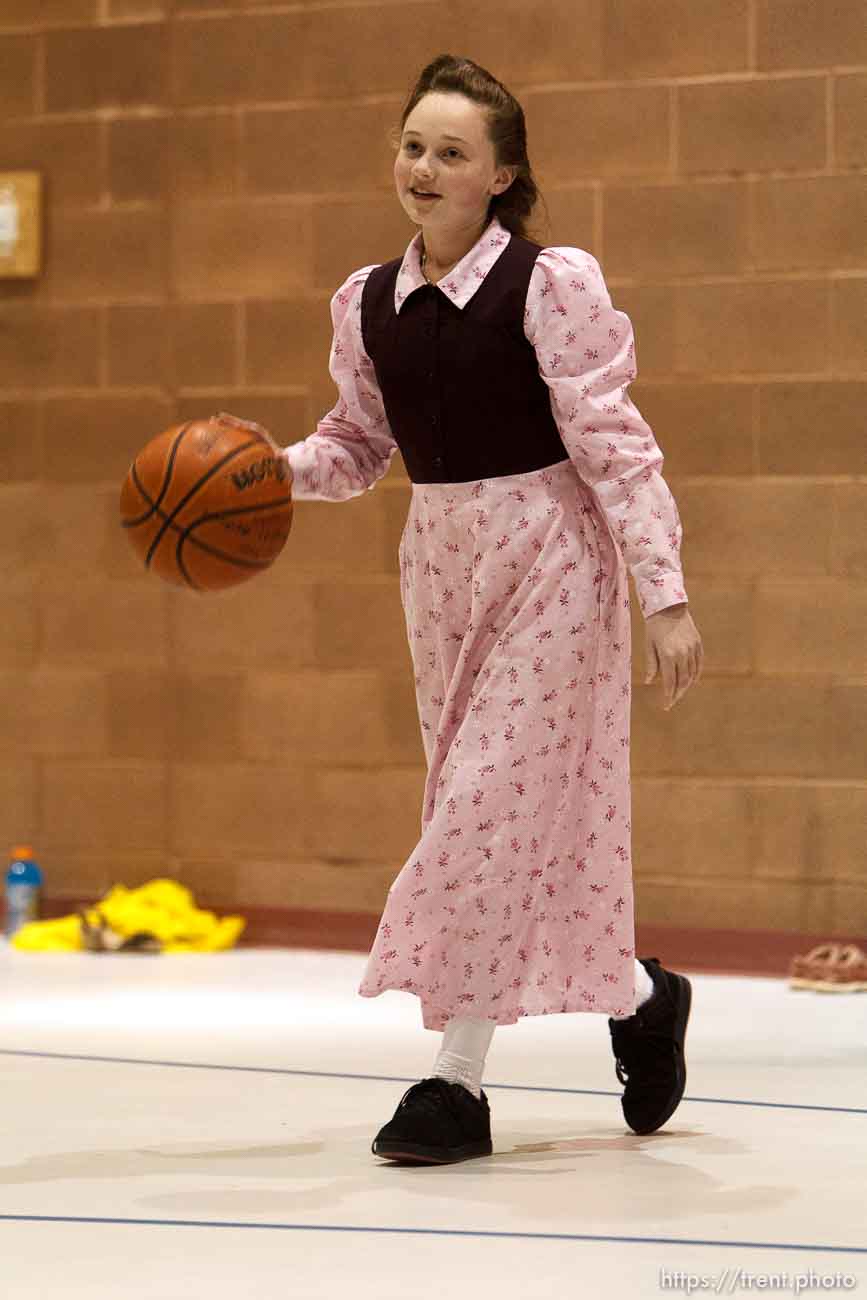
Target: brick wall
[(213, 170)]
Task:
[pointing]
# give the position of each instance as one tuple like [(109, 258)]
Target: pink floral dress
[(517, 899)]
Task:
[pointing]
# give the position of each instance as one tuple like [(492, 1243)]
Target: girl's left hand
[(673, 645)]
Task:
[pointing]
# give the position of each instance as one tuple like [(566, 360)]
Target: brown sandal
[(830, 968)]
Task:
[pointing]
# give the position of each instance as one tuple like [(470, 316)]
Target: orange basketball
[(207, 504)]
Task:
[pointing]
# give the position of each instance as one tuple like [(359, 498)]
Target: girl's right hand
[(224, 417)]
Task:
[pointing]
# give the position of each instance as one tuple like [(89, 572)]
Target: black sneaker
[(648, 1050), (436, 1122)]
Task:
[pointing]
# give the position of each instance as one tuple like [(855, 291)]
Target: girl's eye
[(412, 143)]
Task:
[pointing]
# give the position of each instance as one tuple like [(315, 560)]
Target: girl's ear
[(507, 175)]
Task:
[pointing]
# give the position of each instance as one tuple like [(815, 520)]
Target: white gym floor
[(198, 1126)]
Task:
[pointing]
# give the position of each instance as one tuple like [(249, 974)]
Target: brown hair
[(507, 132)]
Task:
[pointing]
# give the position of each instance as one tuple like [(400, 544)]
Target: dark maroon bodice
[(461, 386)]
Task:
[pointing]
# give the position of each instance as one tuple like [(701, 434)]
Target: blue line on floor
[(434, 1232), (398, 1078)]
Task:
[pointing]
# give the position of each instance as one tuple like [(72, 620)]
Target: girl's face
[(460, 170)]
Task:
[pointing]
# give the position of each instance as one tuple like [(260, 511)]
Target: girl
[(499, 368)]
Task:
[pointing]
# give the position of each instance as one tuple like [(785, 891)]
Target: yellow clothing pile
[(160, 916)]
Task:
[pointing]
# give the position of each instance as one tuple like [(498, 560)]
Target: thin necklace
[(423, 271)]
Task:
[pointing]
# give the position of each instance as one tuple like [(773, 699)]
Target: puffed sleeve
[(586, 354), (352, 447)]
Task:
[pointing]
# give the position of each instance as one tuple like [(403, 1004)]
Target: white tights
[(465, 1042), (461, 1057)]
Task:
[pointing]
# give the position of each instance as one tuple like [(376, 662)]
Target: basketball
[(208, 504)]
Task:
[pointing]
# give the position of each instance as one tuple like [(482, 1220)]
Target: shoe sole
[(420, 1155), (829, 986), (682, 996)]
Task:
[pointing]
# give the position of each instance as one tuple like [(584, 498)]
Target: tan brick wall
[(213, 169)]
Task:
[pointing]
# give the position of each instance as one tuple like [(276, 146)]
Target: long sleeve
[(352, 447), (586, 354)]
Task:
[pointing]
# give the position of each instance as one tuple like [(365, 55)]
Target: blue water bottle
[(23, 889)]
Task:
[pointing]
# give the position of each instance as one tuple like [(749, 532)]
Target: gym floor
[(198, 1126)]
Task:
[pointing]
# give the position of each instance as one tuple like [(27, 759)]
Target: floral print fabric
[(517, 898)]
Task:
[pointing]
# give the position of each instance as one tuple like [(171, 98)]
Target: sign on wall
[(20, 224)]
